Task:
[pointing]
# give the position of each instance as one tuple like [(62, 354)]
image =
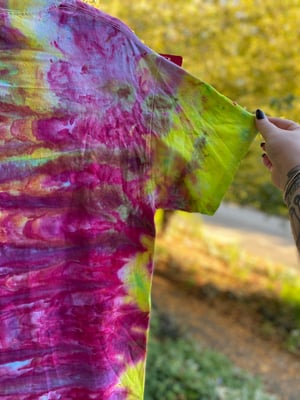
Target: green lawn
[(177, 369)]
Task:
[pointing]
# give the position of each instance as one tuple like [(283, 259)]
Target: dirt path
[(214, 329)]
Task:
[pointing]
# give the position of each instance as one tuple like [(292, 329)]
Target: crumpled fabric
[(97, 131)]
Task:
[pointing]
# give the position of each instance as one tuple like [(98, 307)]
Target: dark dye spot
[(200, 143), (84, 69), (163, 102), (125, 92)]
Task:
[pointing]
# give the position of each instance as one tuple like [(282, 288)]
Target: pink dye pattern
[(83, 106)]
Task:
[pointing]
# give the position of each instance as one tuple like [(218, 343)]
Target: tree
[(247, 49)]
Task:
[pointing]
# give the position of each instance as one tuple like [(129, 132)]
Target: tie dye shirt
[(97, 131)]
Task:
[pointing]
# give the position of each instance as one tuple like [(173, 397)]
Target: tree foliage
[(247, 49)]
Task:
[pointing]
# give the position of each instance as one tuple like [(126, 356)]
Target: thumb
[(264, 126)]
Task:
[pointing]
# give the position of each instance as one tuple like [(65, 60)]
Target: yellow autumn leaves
[(249, 50)]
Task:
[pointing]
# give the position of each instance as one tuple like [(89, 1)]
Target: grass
[(177, 369), (269, 292)]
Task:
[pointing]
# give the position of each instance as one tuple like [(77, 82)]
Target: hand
[(282, 146)]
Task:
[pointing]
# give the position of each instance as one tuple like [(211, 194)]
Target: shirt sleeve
[(198, 138)]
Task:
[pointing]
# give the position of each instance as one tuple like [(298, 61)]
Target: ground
[(222, 312), (212, 327)]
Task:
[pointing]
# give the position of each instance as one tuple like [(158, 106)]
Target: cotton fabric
[(97, 131)]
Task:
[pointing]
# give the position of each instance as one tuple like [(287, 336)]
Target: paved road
[(255, 232)]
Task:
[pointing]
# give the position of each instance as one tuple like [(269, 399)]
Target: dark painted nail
[(260, 114)]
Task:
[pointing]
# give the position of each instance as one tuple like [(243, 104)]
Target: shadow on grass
[(269, 316)]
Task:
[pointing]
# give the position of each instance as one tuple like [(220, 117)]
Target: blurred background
[(226, 291)]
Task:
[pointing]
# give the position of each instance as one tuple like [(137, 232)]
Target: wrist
[(292, 184)]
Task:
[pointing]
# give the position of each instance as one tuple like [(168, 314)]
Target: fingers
[(265, 127), (281, 146), (285, 124), (265, 123), (267, 162)]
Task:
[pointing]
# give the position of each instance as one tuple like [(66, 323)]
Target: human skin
[(281, 156), (282, 147)]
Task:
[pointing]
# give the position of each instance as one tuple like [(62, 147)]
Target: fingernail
[(260, 114)]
